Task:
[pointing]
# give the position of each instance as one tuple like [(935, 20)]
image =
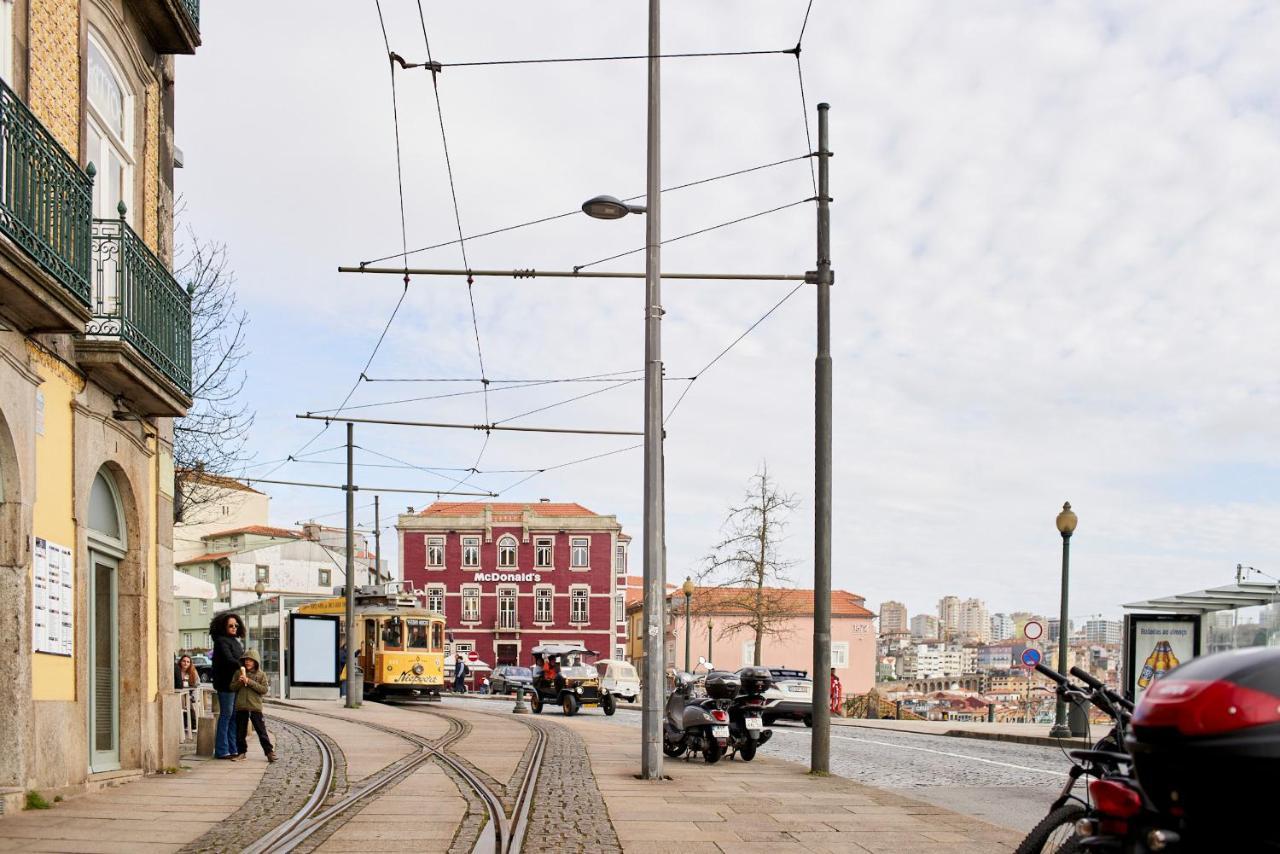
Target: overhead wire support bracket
[(484, 428), (570, 274), (433, 67)]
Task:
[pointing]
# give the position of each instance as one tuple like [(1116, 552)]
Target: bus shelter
[(264, 620)]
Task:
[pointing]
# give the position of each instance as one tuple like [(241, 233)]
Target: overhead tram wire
[(579, 267), (591, 378), (804, 102), (612, 58), (578, 211)]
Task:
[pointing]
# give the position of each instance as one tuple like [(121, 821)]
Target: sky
[(1052, 231)]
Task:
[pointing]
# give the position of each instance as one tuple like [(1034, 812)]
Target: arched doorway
[(108, 541)]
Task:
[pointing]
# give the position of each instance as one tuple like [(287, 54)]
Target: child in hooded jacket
[(252, 685)]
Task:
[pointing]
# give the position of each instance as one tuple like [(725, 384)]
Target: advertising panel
[(1155, 644), (313, 649)]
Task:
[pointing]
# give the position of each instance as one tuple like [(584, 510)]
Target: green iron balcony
[(172, 25), (45, 207), (137, 301), (192, 8)]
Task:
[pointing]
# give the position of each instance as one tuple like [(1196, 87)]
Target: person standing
[(253, 685), (459, 676), (837, 694), (226, 630)]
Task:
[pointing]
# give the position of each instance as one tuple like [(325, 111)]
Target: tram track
[(503, 832)]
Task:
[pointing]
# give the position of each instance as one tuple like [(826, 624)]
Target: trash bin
[(1078, 717), (357, 685)]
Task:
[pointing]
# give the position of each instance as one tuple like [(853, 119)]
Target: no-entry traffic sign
[(473, 656), (1030, 657)]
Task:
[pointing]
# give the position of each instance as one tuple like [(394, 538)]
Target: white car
[(619, 678), (790, 698)]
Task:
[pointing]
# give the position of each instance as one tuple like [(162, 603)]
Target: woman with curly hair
[(226, 630)]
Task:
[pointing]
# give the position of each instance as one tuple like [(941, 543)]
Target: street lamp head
[(1066, 520), (259, 588), (687, 587), (607, 207)]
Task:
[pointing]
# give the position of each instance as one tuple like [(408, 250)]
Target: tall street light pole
[(820, 743), (654, 533), (1066, 527), (377, 542), (353, 702), (688, 598)]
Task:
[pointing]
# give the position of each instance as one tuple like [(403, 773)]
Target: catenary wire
[(582, 396), (577, 211), (590, 378), (578, 267), (613, 58), (804, 109)]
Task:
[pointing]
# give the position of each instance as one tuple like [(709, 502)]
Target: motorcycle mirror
[(702, 659)]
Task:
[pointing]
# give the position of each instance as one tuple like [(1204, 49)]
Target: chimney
[(311, 531)]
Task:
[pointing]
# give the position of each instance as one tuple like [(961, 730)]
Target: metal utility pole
[(353, 702), (1066, 523), (377, 540), (820, 744), (654, 547)]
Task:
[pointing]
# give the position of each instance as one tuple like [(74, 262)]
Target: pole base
[(521, 707), (1060, 731)]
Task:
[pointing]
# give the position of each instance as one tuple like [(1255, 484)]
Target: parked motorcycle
[(747, 731), (692, 725)]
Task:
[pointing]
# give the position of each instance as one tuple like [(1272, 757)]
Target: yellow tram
[(401, 643)]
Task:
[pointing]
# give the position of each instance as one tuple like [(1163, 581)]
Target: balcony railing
[(45, 198), (192, 8), (137, 299)]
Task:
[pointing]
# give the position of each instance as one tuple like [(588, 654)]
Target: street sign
[(1032, 630), (1030, 658), (473, 656)]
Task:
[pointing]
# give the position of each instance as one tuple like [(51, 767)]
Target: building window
[(507, 608), (263, 573), (186, 640), (326, 578), (470, 604), (186, 607), (507, 552), (110, 134), (204, 606), (620, 560), (839, 653), (619, 608), (542, 552), (578, 551), (435, 552), (620, 652), (471, 551), (435, 599), (204, 572), (542, 605), (578, 605)]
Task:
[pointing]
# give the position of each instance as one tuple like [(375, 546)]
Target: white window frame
[(508, 595), (620, 608), (435, 552), (186, 603), (204, 606), (544, 546), (435, 599), (579, 595), (262, 572), (620, 653), (326, 578), (576, 543), (840, 654), (470, 616), (123, 146), (748, 653), (620, 559), (544, 595), (470, 548), (508, 552)]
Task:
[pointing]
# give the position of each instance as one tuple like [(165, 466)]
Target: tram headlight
[(417, 670), (578, 689)]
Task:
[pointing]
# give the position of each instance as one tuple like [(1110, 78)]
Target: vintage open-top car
[(561, 678)]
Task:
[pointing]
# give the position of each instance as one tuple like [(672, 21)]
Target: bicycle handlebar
[(1085, 677)]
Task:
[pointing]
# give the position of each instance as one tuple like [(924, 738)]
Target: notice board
[(53, 590)]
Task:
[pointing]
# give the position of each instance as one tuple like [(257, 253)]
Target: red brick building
[(510, 576)]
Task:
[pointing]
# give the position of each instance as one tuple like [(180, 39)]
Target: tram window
[(391, 634), (417, 634), (437, 636)]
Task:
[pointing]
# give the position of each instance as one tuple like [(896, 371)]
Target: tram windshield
[(392, 634), (418, 634)]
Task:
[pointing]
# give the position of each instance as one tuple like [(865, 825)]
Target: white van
[(619, 678)]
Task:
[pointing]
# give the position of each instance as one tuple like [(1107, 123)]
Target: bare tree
[(210, 440), (747, 567)]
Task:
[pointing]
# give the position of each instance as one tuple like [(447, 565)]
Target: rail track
[(503, 832)]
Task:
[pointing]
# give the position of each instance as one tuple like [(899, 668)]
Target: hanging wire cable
[(590, 378), (804, 109), (568, 400), (804, 25), (696, 233), (577, 211), (614, 58), (293, 457), (726, 350)]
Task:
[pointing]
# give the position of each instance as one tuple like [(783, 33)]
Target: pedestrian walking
[(226, 629), (460, 671), (253, 685), (837, 694)]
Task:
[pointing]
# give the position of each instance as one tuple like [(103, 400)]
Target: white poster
[(315, 650), (52, 599), (1158, 647)]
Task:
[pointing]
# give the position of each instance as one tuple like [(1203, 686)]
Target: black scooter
[(692, 725), (747, 731)]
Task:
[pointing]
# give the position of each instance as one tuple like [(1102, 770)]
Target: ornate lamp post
[(259, 588), (687, 587), (709, 627), (1066, 527)]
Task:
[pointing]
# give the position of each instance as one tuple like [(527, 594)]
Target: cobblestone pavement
[(283, 789), (568, 812)]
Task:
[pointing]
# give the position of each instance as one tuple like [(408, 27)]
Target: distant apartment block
[(1002, 627), (1103, 631), (893, 618), (974, 622), (924, 627), (949, 616)]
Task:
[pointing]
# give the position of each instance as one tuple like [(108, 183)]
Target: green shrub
[(36, 801)]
